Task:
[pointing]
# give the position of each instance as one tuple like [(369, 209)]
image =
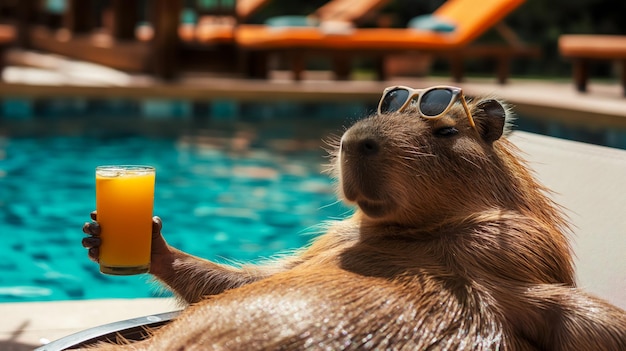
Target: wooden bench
[(583, 49)]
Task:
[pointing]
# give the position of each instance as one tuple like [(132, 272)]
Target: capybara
[(453, 246)]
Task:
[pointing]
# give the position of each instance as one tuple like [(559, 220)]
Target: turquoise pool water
[(224, 193), (234, 182)]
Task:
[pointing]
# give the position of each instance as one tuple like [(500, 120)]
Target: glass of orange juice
[(124, 201)]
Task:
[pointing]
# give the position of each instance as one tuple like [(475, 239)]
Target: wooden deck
[(42, 76)]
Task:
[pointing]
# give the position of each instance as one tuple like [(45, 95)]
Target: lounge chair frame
[(134, 329)]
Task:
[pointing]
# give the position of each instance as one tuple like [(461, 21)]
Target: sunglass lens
[(434, 102), (393, 100)]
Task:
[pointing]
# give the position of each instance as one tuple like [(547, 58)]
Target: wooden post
[(125, 18), (254, 64), (581, 72), (298, 64), (78, 16), (25, 9), (165, 44), (623, 76), (379, 66), (456, 66), (503, 68), (342, 65)]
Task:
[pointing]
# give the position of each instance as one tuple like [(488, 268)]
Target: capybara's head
[(403, 168)]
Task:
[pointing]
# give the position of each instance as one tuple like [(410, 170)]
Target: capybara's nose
[(359, 145)]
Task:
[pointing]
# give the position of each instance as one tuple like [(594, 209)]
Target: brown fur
[(454, 246)]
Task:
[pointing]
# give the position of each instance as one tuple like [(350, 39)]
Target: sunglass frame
[(457, 94)]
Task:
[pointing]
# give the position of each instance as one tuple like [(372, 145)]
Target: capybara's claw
[(91, 242), (91, 228), (94, 254), (156, 225)]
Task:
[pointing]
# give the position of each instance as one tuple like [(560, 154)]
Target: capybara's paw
[(92, 242)]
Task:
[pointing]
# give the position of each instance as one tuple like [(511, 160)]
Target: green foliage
[(541, 23)]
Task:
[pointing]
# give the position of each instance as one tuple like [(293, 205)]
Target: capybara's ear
[(490, 119)]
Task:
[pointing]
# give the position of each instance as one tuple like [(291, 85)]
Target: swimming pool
[(234, 182), (225, 191)]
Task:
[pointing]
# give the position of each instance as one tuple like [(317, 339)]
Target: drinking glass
[(124, 201)]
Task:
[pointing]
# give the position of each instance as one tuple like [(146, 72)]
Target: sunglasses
[(432, 103)]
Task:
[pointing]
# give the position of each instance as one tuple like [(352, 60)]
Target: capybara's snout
[(359, 143), (360, 154), (364, 171)]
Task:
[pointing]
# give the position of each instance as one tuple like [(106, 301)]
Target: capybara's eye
[(446, 132)]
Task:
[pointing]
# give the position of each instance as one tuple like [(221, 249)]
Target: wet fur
[(454, 246)]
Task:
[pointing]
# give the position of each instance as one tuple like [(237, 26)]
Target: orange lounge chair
[(222, 35), (219, 29), (348, 11), (470, 18), (583, 49)]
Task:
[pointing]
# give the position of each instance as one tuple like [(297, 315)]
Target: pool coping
[(33, 324), (604, 105)]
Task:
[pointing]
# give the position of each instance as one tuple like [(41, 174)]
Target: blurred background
[(237, 103), (536, 22)]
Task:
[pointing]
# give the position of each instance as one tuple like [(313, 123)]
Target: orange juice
[(124, 201)]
